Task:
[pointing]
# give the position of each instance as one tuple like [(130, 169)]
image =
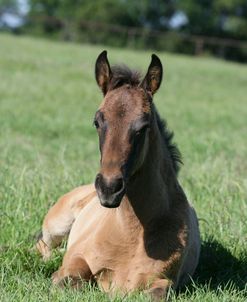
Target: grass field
[(48, 146)]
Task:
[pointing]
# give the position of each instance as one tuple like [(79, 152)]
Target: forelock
[(122, 75)]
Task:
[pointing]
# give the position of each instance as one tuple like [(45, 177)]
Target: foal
[(134, 228)]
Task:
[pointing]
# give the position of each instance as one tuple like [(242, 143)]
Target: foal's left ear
[(153, 78), (103, 72)]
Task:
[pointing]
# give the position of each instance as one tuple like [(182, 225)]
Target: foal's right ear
[(103, 72)]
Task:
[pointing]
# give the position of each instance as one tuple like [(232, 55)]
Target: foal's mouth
[(111, 192)]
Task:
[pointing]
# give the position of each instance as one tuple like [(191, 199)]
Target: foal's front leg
[(60, 217), (73, 271)]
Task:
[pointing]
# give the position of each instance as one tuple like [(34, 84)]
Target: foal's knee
[(73, 272)]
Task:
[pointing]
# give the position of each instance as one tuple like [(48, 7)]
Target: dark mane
[(122, 75), (172, 147)]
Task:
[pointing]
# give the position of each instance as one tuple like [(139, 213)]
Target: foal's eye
[(96, 124), (141, 131)]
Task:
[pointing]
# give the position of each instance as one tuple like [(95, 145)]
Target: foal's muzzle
[(111, 191)]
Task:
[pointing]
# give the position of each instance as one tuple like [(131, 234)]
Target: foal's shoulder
[(78, 194)]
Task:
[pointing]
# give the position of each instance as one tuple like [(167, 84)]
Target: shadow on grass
[(218, 267)]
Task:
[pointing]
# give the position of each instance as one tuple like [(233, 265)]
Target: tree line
[(212, 18)]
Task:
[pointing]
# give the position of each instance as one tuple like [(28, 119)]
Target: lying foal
[(134, 228)]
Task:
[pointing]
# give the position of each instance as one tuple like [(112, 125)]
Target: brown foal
[(134, 228)]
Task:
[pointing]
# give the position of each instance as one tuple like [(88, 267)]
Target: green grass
[(48, 146)]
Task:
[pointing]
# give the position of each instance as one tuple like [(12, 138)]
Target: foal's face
[(123, 123)]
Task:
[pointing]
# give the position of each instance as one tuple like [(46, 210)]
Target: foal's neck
[(150, 191)]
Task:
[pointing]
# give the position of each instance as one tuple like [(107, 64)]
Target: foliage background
[(134, 23)]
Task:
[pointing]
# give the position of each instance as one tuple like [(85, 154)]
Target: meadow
[(48, 146)]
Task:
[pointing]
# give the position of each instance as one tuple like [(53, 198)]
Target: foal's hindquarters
[(111, 246)]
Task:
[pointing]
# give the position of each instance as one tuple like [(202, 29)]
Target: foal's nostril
[(118, 186)]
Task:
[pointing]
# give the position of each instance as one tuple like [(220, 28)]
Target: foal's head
[(123, 123)]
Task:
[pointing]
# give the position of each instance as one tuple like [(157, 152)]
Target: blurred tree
[(46, 7), (225, 18), (122, 12), (106, 11), (218, 18), (209, 17), (11, 4)]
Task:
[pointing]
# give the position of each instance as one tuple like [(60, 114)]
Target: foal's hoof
[(56, 279), (43, 250), (157, 294), (160, 289)]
